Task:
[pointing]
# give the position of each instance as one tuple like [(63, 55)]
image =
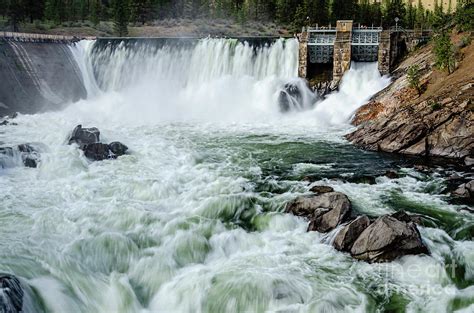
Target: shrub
[(435, 106), (413, 76)]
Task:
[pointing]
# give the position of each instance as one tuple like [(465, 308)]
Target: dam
[(339, 46)]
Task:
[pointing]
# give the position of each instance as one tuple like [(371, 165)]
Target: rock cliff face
[(439, 122)]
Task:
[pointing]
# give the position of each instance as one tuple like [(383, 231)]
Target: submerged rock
[(387, 239), (11, 294), (27, 153), (405, 217), (290, 97), (325, 211), (392, 174), (84, 136), (346, 237)]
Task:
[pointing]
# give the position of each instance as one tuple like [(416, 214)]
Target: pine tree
[(96, 11), (420, 16), (410, 16), (444, 52), (465, 15), (15, 13), (393, 9), (121, 18)]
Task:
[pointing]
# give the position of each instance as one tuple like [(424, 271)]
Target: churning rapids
[(191, 220)]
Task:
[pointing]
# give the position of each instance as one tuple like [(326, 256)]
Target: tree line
[(291, 13)]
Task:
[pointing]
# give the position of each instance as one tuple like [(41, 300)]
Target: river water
[(191, 220)]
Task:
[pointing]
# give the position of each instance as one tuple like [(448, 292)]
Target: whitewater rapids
[(191, 220)]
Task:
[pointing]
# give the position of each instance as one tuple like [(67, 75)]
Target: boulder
[(97, 151), (330, 210), (346, 237), (321, 189), (84, 136), (11, 294), (118, 148), (325, 211), (387, 239)]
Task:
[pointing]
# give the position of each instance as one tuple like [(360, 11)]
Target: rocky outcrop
[(439, 122), (421, 131), (11, 294), (324, 88), (325, 211), (387, 239), (88, 140), (27, 154)]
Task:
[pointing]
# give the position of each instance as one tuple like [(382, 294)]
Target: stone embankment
[(439, 122)]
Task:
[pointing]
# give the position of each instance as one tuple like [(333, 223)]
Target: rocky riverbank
[(439, 122)]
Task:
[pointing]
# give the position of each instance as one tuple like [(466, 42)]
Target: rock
[(325, 211), (290, 97), (346, 237), (8, 151), (28, 154), (321, 189), (387, 239), (118, 148), (324, 88), (465, 190), (88, 140), (97, 151), (363, 179), (84, 136), (331, 209), (469, 161), (405, 217), (11, 294), (392, 174)]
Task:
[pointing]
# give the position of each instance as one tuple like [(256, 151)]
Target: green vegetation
[(121, 17), (444, 52), (290, 13), (413, 76)]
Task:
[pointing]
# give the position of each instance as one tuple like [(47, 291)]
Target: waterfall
[(213, 80)]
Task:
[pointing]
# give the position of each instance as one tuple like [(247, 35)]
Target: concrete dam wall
[(37, 76)]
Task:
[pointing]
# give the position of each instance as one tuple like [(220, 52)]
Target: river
[(191, 220)]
